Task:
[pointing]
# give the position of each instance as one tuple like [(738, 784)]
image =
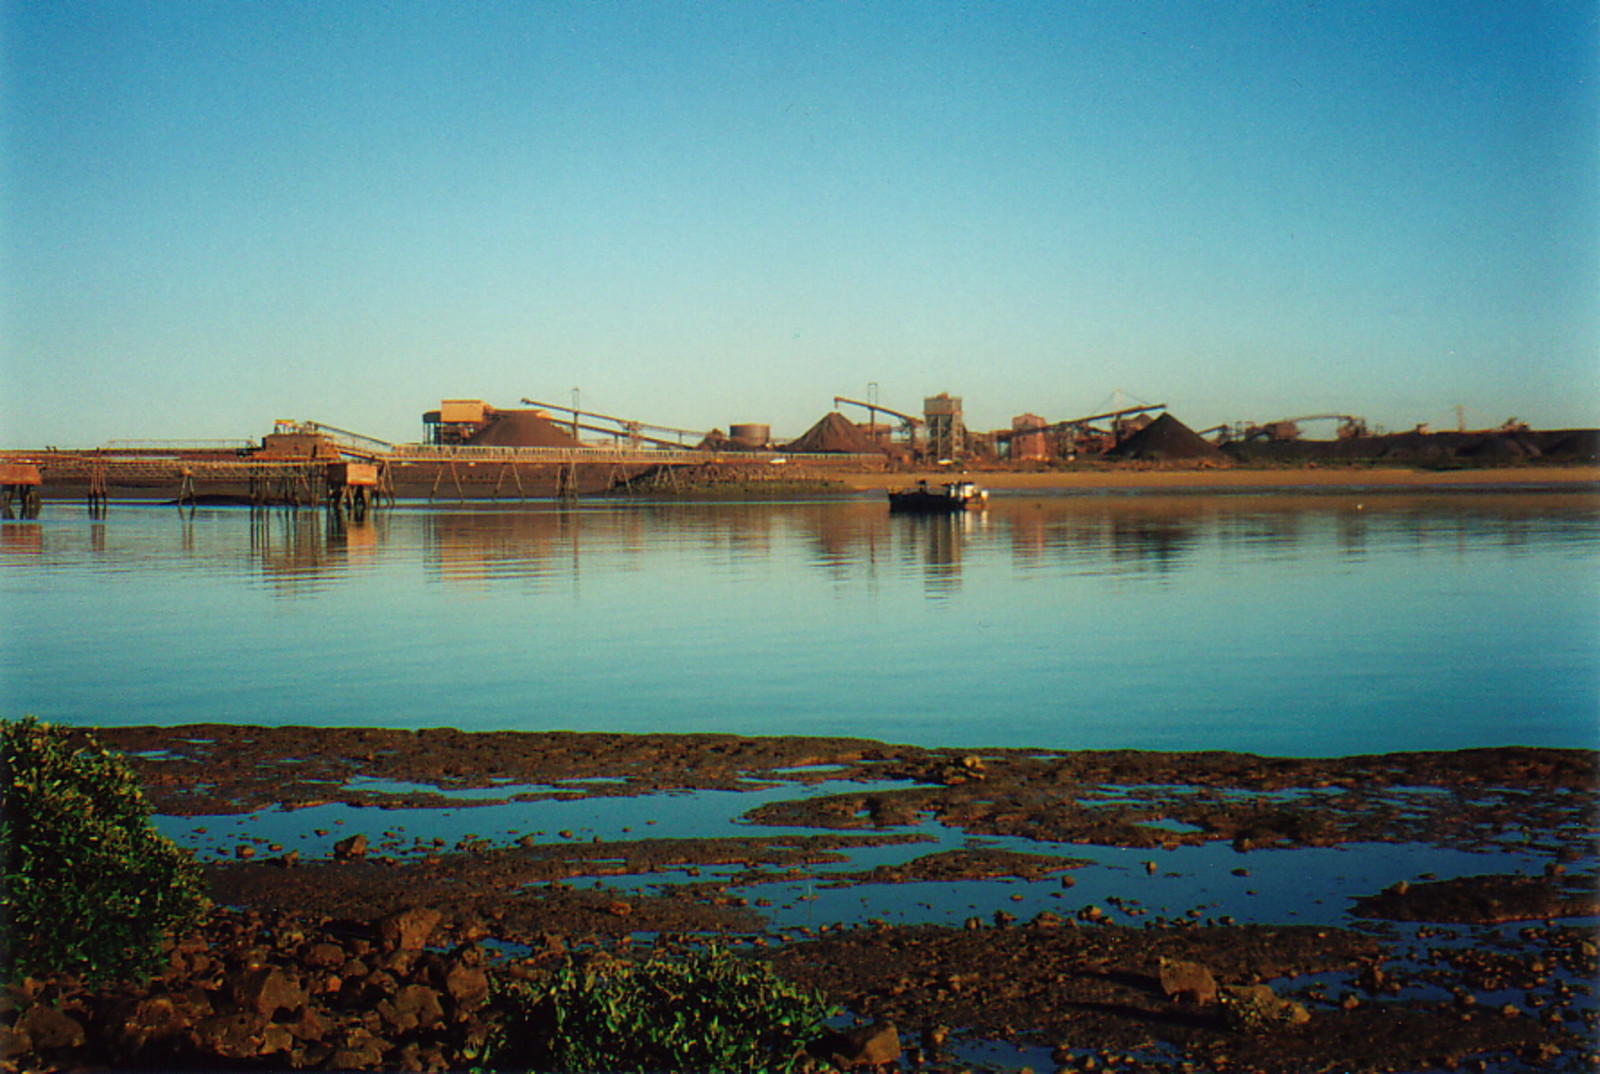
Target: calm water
[(1275, 624)]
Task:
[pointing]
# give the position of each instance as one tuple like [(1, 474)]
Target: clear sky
[(213, 215)]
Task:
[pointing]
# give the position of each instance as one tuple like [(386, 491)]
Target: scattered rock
[(350, 849), (1257, 1007), (136, 1024), (47, 1029), (360, 1050), (408, 930), (1490, 899), (465, 982), (241, 1035), (1181, 980), (865, 1046), (264, 991), (328, 956), (412, 1007)]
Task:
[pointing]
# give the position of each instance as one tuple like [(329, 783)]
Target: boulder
[(45, 1029), (351, 848), (408, 930), (1257, 1007), (359, 1051), (413, 1007), (1181, 980), (240, 1035), (265, 991), (138, 1023), (466, 985), (324, 956), (864, 1046)]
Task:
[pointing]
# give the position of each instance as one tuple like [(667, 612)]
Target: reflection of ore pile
[(1166, 439)]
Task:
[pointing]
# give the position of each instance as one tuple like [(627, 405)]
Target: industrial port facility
[(471, 449)]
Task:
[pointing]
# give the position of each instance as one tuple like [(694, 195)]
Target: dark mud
[(373, 955)]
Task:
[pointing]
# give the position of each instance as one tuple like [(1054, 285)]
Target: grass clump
[(87, 884), (709, 1011)]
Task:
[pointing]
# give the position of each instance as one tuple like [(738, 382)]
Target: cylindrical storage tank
[(750, 435)]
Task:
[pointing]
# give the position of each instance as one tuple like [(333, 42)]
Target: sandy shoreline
[(1241, 479)]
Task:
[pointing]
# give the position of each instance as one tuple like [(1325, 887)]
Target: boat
[(924, 499)]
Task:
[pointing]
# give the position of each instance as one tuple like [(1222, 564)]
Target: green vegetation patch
[(709, 1011), (89, 886)]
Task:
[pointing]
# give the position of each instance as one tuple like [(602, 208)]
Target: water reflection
[(935, 544), (1288, 623), (850, 541)]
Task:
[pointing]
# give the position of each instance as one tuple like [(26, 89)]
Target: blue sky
[(213, 215)]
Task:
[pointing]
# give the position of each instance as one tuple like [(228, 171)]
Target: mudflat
[(356, 943)]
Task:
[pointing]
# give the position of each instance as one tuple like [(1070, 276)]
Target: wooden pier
[(357, 477)]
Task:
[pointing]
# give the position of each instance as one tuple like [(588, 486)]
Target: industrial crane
[(910, 421), (1078, 423), (633, 430), (349, 443), (1350, 427)]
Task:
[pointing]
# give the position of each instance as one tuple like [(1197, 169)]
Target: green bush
[(89, 886), (710, 1011)]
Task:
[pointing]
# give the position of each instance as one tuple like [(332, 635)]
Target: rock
[(467, 986), (1182, 980), (1256, 1007), (310, 1027), (360, 1051), (47, 1029), (380, 983), (353, 847), (408, 930), (265, 991), (1373, 980), (413, 1007), (865, 1046), (399, 962), (276, 1038), (160, 1017), (240, 1035), (324, 956)]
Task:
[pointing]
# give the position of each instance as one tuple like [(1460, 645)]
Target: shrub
[(709, 1011), (89, 886)]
